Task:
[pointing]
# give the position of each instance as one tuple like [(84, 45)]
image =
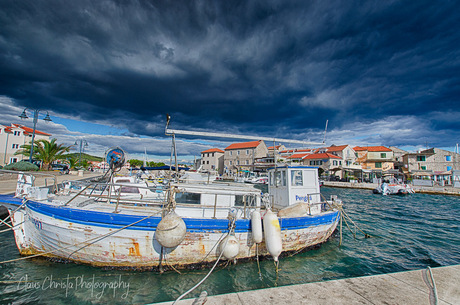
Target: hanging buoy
[(272, 233), (170, 231), (256, 227), (229, 247)]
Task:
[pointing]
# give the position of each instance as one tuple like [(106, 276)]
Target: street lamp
[(81, 146), (24, 116)]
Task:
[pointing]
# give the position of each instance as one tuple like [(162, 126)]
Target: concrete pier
[(405, 288), (434, 190), (8, 181)]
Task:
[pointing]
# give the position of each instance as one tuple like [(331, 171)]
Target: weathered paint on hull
[(40, 234)]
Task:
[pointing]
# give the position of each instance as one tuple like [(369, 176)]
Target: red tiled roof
[(304, 150), (321, 156), (252, 144), (372, 148), (28, 130), (297, 156), (336, 148), (276, 147), (212, 150), (287, 151)]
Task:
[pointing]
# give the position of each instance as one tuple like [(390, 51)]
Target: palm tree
[(72, 161), (45, 151)]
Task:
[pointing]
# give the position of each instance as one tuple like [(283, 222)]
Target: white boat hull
[(45, 231)]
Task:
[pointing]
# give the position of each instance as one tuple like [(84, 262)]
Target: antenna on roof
[(325, 130)]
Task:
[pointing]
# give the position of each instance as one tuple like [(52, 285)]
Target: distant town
[(336, 162)]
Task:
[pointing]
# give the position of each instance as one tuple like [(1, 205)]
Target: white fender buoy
[(272, 233), (256, 226), (170, 231), (229, 247)]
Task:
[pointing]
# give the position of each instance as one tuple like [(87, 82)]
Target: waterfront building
[(212, 160), (375, 161), (347, 166), (327, 163), (432, 164), (12, 138), (239, 157)]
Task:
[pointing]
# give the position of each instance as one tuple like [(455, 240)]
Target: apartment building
[(12, 138), (241, 156), (212, 160), (379, 158)]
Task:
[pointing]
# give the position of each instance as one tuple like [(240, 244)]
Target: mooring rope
[(431, 285), (232, 228)]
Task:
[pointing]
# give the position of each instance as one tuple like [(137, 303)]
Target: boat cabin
[(289, 185)]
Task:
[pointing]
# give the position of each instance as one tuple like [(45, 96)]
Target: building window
[(238, 152), (204, 162), (383, 155), (378, 164), (448, 158), (421, 158), (230, 153), (237, 162), (247, 151), (423, 167), (17, 133), (13, 160), (247, 162), (15, 146), (230, 163), (449, 168), (207, 162)]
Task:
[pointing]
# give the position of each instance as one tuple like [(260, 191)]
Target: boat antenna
[(325, 131)]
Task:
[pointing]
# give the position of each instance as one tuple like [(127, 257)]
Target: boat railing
[(46, 176)]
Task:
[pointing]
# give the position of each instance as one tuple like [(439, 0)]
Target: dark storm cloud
[(276, 67)]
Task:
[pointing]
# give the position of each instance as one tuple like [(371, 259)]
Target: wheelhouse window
[(296, 178), (130, 190), (188, 198)]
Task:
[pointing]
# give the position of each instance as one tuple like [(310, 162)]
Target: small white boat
[(394, 188)]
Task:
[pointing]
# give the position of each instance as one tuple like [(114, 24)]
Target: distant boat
[(394, 188)]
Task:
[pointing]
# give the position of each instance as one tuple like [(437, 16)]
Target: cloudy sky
[(381, 72)]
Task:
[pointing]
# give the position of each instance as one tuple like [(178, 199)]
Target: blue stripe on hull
[(10, 200), (112, 220)]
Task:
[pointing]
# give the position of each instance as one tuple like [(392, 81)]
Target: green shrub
[(21, 166)]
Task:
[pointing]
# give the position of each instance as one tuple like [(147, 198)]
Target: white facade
[(212, 160), (12, 138)]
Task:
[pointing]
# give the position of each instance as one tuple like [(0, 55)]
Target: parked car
[(62, 168)]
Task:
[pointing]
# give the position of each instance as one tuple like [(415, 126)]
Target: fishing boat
[(189, 224)]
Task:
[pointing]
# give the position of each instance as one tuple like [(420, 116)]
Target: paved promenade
[(8, 181), (435, 190), (405, 288)]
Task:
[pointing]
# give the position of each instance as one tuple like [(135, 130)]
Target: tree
[(45, 151), (135, 163), (72, 161)]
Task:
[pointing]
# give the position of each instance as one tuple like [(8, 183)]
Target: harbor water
[(407, 233)]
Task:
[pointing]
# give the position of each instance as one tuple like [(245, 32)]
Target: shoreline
[(432, 190)]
